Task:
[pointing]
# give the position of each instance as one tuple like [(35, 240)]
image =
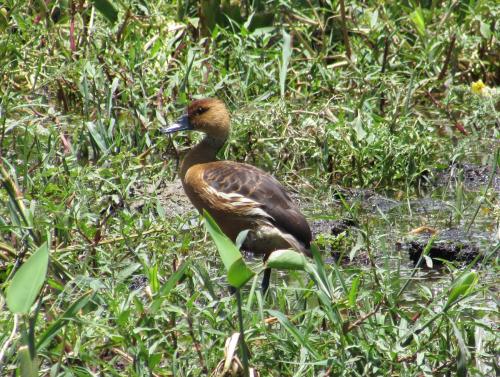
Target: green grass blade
[(462, 351), (97, 137), (417, 17), (285, 59), (107, 10), (301, 339), (237, 271), (461, 287), (27, 282), (353, 292), (69, 315), (168, 286)]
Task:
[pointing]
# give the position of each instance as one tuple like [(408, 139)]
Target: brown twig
[(87, 239), (417, 315), (17, 197), (72, 43), (359, 321), (128, 358), (382, 71), (123, 25), (3, 120), (441, 367), (344, 29), (304, 43), (458, 125), (405, 359), (299, 18), (101, 226), (446, 63), (320, 24), (107, 241), (196, 344), (61, 95), (10, 251)]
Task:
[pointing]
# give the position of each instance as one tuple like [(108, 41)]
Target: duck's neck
[(205, 151)]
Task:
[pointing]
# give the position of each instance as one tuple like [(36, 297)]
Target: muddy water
[(461, 204), (461, 207)]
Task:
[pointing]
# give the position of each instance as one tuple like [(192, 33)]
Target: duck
[(238, 196)]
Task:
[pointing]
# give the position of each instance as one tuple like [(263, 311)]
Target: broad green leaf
[(154, 282), (238, 272), (328, 308), (458, 289), (373, 19), (353, 292), (358, 127), (286, 54), (461, 287), (227, 249), (485, 30), (127, 272), (28, 366), (417, 17), (107, 10), (286, 259), (60, 322), (27, 282)]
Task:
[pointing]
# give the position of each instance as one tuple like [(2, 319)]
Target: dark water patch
[(474, 177), (332, 238), (369, 200), (429, 206), (388, 223), (450, 245), (333, 227)]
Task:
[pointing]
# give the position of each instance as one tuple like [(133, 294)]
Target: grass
[(134, 286)]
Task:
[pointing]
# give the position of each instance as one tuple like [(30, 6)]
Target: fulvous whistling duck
[(238, 196)]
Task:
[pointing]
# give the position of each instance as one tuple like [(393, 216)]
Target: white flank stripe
[(235, 202)]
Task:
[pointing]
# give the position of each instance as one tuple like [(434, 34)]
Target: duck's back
[(241, 196)]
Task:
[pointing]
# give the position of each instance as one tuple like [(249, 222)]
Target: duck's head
[(207, 115)]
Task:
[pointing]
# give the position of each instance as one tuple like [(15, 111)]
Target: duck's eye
[(200, 110)]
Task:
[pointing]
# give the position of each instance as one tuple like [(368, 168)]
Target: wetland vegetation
[(380, 118)]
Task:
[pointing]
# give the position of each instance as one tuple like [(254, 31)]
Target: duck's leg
[(265, 281)]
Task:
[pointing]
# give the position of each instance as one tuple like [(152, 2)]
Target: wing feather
[(245, 186)]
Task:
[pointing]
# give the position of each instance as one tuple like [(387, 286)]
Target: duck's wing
[(245, 186)]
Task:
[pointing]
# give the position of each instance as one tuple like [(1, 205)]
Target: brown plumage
[(238, 196)]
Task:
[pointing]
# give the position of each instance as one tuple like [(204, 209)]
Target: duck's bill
[(180, 125)]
